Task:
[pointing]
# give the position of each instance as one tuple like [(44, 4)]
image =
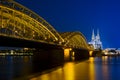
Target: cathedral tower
[(96, 42)]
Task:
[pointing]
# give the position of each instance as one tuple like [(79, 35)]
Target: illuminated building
[(95, 41)]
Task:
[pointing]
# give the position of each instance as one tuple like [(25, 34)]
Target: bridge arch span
[(75, 40), (23, 23)]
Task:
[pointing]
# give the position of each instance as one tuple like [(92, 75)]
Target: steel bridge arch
[(75, 40), (21, 22)]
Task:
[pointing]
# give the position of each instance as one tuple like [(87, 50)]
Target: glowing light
[(70, 49), (73, 53), (66, 52), (105, 53), (16, 31), (90, 53), (25, 48), (12, 52)]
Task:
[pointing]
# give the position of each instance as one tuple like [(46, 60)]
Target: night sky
[(81, 15)]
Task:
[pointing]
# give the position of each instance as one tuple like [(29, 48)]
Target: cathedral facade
[(95, 41)]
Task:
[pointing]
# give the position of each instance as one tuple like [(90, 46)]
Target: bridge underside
[(6, 41)]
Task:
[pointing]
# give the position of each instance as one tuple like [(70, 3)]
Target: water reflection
[(14, 66), (68, 70), (105, 72), (62, 73), (96, 68), (105, 66), (91, 69)]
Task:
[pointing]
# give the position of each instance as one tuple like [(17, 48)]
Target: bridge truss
[(75, 40), (20, 22)]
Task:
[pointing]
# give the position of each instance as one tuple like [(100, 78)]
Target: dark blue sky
[(81, 15)]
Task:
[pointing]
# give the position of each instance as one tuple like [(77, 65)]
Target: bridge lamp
[(54, 40), (16, 31), (60, 42), (33, 36), (45, 38)]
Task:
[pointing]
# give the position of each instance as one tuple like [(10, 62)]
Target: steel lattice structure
[(75, 40), (20, 22)]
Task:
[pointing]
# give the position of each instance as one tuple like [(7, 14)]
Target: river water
[(95, 68)]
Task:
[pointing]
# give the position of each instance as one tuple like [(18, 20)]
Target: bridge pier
[(75, 54), (96, 53), (49, 57), (52, 57), (81, 54)]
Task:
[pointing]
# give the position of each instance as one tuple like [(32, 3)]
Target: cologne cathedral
[(95, 41)]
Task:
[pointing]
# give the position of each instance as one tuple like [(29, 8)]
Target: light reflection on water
[(95, 68), (71, 71), (91, 69), (61, 73)]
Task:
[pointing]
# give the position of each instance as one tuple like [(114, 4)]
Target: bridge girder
[(18, 21)]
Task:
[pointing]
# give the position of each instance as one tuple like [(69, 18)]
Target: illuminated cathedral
[(95, 41)]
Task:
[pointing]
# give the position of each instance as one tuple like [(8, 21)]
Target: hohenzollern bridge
[(19, 26)]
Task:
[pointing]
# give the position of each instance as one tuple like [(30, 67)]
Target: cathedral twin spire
[(95, 41), (95, 37)]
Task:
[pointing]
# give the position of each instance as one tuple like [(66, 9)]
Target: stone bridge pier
[(48, 57), (81, 54), (75, 54)]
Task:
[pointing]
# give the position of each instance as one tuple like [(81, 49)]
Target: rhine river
[(95, 68)]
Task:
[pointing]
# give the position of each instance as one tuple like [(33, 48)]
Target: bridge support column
[(48, 58), (68, 54), (97, 53), (81, 54)]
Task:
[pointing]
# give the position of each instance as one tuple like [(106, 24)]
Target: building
[(95, 40)]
